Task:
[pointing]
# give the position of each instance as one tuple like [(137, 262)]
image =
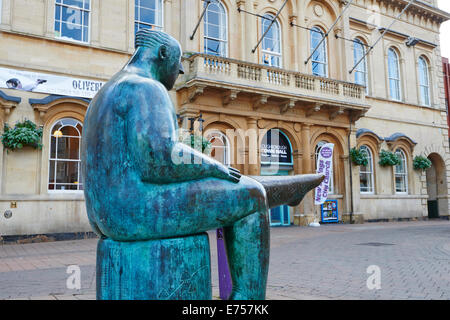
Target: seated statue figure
[(134, 189)]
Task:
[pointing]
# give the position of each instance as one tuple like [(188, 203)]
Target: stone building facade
[(394, 99), (446, 68)]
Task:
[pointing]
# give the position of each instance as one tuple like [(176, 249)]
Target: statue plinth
[(163, 269)]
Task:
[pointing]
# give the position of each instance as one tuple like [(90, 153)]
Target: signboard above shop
[(276, 149), (48, 83)]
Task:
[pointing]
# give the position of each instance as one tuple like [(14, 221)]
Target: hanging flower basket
[(388, 158), (421, 163), (23, 134), (359, 157)]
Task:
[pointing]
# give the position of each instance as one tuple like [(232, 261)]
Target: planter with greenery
[(421, 163), (358, 157), (23, 134), (388, 158)]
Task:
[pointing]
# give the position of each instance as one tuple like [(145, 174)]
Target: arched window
[(219, 147), (361, 73), (215, 22), (401, 173), (424, 82), (317, 150), (64, 166), (366, 174), (319, 58), (394, 75), (271, 44), (148, 14)]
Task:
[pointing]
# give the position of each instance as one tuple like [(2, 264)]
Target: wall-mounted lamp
[(199, 119), (57, 134)]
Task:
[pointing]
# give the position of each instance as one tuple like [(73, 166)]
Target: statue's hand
[(229, 173)]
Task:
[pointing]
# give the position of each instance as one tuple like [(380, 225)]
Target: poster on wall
[(329, 211), (48, 83), (276, 148), (325, 167)]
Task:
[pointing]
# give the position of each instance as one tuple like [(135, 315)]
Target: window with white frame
[(319, 59), (424, 82), (401, 173), (361, 73), (148, 14), (64, 161), (72, 19), (395, 91), (317, 151), (219, 147), (271, 44), (215, 39), (366, 174)]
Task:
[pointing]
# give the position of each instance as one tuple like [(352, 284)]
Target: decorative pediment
[(398, 137), (45, 104), (366, 132)]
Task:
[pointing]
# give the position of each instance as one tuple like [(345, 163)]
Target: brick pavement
[(329, 262)]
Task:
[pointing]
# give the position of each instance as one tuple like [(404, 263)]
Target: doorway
[(436, 187), (276, 160), (279, 216)]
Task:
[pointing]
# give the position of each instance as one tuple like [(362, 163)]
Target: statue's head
[(165, 51)]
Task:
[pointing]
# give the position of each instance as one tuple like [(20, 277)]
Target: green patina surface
[(147, 193), (142, 184), (141, 270)]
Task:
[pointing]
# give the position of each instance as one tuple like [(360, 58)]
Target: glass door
[(279, 216)]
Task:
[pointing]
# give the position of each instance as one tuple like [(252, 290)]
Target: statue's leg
[(248, 244), (173, 210)]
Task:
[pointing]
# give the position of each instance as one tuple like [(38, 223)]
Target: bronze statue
[(137, 190)]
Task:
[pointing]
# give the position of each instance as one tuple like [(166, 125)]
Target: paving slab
[(329, 262)]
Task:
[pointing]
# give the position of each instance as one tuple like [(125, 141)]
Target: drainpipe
[(351, 174)]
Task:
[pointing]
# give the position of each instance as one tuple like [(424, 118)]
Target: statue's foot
[(288, 190)]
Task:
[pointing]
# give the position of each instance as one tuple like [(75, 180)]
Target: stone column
[(168, 20), (307, 205), (242, 28), (251, 33), (306, 137), (351, 190), (293, 19), (189, 15), (6, 14), (95, 23), (49, 27), (130, 26), (251, 140)]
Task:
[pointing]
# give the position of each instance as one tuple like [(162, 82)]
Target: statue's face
[(171, 65)]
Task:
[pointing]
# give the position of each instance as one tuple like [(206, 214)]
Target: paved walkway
[(329, 262)]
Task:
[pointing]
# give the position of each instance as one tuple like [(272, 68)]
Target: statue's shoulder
[(128, 89), (134, 81)]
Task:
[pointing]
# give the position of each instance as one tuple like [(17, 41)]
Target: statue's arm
[(153, 142)]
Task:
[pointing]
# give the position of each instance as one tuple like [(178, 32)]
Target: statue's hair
[(152, 38)]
